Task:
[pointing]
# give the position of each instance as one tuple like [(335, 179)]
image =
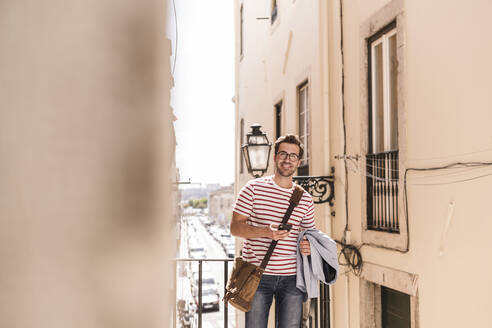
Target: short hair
[(292, 139)]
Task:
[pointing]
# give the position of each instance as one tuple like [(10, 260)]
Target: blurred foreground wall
[(86, 164)]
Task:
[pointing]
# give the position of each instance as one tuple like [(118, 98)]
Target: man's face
[(285, 161)]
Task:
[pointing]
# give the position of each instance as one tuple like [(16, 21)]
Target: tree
[(198, 203)]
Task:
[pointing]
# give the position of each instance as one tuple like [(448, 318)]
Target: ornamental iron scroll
[(321, 188)]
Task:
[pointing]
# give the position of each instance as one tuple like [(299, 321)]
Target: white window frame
[(387, 131), (306, 123)]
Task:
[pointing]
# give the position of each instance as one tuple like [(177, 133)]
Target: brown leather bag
[(245, 277)]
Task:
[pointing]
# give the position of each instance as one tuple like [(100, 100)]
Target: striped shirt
[(264, 203)]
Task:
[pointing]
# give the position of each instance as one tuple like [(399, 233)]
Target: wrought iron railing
[(200, 286), (321, 188), (319, 314), (382, 191), (318, 318)]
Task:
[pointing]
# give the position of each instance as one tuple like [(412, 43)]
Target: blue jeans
[(288, 300)]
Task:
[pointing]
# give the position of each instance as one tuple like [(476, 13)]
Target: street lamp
[(256, 151)]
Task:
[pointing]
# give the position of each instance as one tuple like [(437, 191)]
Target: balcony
[(382, 191), (191, 315), (205, 293)]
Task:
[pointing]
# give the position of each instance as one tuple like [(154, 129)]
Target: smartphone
[(285, 226)]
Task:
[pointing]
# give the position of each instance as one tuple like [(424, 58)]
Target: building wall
[(261, 80), (446, 114), (277, 58), (87, 149), (220, 205), (445, 117)]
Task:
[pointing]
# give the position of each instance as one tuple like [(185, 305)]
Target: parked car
[(196, 252), (208, 280), (230, 250), (210, 300), (210, 291), (225, 236)]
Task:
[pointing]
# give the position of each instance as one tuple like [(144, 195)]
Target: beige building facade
[(88, 193), (394, 96), (220, 204)]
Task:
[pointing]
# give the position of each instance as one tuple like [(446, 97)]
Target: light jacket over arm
[(310, 268)]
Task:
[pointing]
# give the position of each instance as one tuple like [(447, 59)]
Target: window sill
[(396, 241)]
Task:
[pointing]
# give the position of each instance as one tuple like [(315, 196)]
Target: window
[(241, 29), (382, 159), (383, 100), (395, 309), (389, 298), (274, 12), (278, 120), (241, 142), (304, 131)]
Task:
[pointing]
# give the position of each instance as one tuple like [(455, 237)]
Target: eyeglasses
[(283, 155)]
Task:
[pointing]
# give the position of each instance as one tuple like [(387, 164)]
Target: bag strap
[(294, 201)]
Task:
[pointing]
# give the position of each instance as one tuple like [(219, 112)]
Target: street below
[(194, 236)]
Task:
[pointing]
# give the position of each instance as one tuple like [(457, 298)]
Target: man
[(259, 208)]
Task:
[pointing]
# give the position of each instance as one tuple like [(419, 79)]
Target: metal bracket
[(321, 188)]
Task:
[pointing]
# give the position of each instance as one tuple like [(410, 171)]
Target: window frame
[(392, 12), (380, 38), (373, 278), (304, 169)]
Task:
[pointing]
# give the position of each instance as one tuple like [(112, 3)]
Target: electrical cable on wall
[(486, 150), (352, 256), (454, 171), (465, 169), (458, 156), (343, 118), (470, 166)]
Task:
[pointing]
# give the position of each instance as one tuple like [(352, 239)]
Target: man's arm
[(240, 228)]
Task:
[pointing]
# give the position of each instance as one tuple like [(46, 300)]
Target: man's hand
[(305, 247), (278, 234), (240, 228)]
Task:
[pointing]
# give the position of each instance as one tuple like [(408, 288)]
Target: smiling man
[(259, 208)]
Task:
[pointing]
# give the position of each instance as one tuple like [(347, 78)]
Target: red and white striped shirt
[(264, 203)]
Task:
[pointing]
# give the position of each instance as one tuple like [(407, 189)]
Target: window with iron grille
[(304, 129), (382, 160)]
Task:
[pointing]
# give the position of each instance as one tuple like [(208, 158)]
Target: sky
[(204, 88)]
